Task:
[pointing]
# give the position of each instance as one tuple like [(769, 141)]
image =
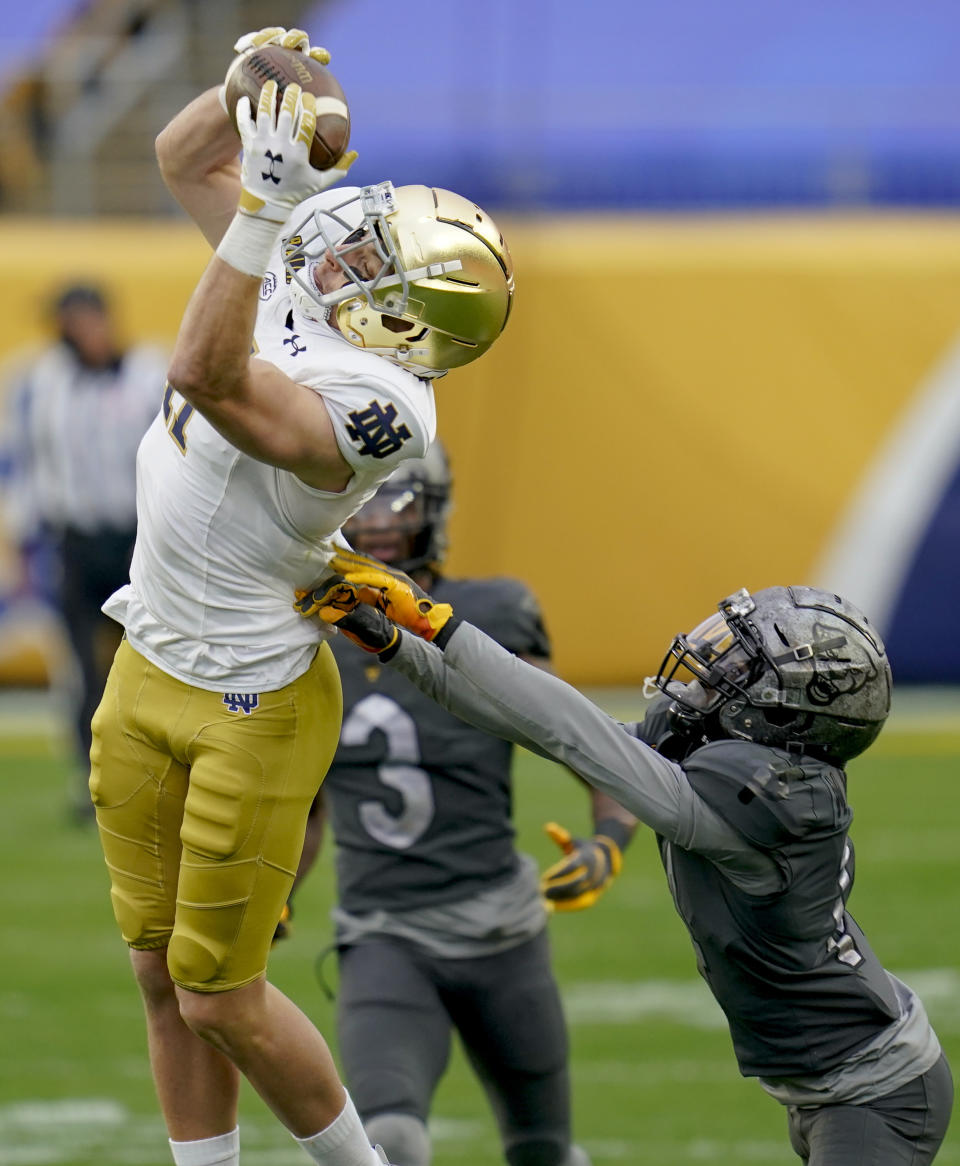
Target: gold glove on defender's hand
[(337, 602), (330, 600), (588, 867), (393, 593)]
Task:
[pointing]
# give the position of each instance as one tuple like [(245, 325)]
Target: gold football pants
[(202, 801)]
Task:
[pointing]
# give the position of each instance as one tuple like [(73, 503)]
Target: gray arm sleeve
[(475, 679)]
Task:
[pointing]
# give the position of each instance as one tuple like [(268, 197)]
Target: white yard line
[(58, 1133), (689, 1003)]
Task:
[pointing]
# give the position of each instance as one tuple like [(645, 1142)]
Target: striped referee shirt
[(73, 438)]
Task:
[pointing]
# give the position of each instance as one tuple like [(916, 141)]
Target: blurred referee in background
[(77, 414)]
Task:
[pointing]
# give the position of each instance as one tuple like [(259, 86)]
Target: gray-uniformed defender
[(738, 768), (440, 924)]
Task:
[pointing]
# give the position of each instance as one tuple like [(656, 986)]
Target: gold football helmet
[(439, 291)]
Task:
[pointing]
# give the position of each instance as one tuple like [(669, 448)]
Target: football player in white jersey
[(215, 731)]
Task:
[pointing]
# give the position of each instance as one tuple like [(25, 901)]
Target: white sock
[(223, 1150), (343, 1142)]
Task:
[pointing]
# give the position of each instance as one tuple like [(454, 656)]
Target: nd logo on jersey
[(374, 432), (241, 702)]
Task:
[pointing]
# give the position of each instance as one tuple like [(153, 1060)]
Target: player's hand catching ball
[(292, 38), (276, 173), (286, 38)]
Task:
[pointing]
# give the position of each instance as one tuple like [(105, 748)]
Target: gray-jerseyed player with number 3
[(440, 922), (738, 768)]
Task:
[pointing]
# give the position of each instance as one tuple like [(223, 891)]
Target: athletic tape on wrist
[(618, 832), (249, 243)]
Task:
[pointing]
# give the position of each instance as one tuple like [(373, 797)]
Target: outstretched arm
[(477, 680), (198, 156), (198, 152), (470, 675), (242, 208), (256, 406)]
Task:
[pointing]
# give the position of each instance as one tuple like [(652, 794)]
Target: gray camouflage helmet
[(792, 667)]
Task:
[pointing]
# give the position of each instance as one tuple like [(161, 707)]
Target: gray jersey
[(757, 857), (420, 801), (794, 974)]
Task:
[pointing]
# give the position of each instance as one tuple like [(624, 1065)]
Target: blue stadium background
[(620, 104), (682, 105)]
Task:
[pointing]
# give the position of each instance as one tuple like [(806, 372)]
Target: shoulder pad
[(660, 731), (767, 795)]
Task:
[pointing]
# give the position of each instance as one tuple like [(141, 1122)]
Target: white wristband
[(249, 243)]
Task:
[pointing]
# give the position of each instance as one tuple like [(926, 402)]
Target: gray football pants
[(398, 1007), (904, 1128)]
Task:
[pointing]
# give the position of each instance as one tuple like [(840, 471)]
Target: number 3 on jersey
[(176, 413), (398, 772)]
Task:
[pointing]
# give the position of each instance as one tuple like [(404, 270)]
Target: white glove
[(275, 174), (294, 38)]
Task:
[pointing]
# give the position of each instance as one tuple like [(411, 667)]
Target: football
[(289, 66)]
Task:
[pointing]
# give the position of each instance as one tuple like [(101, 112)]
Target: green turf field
[(653, 1071)]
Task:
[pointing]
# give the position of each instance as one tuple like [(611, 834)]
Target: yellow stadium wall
[(679, 407)]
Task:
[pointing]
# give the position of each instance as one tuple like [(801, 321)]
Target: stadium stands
[(94, 84), (695, 105)]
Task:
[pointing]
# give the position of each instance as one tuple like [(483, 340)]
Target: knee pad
[(193, 963), (404, 1138)]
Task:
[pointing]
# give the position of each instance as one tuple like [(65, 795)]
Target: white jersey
[(224, 540)]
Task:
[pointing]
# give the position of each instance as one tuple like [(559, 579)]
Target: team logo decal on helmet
[(443, 287), (787, 666)]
